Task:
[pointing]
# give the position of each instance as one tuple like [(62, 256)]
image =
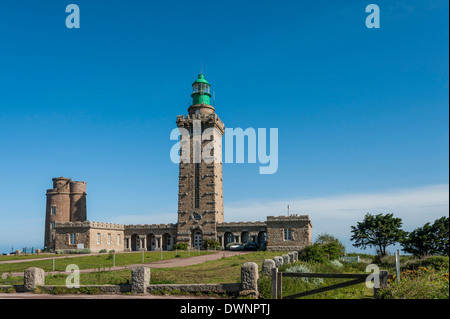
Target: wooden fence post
[(273, 282), (279, 285)]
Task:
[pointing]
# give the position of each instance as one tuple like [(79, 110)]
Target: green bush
[(313, 253), (434, 262), (423, 283), (300, 268), (102, 251), (181, 246), (211, 243)]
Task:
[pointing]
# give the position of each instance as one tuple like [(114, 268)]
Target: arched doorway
[(245, 237), (167, 241), (229, 238), (197, 239), (150, 242), (262, 238), (134, 242)]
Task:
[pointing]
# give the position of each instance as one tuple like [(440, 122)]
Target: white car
[(237, 247)]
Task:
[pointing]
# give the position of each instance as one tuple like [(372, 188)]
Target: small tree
[(378, 231), (331, 245), (430, 239)]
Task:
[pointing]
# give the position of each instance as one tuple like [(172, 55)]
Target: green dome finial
[(201, 91)]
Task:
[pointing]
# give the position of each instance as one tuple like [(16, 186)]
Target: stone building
[(200, 201)]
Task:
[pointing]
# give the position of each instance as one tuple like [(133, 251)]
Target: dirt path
[(169, 263)]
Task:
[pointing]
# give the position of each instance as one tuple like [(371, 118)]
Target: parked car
[(237, 247), (251, 246)]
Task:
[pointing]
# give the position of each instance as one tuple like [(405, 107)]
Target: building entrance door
[(198, 239)]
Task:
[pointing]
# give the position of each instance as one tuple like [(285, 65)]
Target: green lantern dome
[(201, 91)]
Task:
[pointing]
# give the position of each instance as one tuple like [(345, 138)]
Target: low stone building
[(200, 201)]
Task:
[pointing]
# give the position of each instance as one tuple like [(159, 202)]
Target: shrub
[(422, 283), (102, 251), (181, 246), (332, 245), (434, 262), (211, 243), (313, 253), (299, 268), (337, 263), (333, 250)]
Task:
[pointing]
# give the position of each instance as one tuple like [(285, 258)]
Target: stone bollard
[(140, 279), (295, 255), (267, 266), (291, 257), (32, 278), (249, 279), (17, 252), (278, 261), (38, 251), (285, 259)]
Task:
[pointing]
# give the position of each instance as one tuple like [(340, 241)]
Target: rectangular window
[(53, 210), (109, 239), (197, 185), (118, 239), (53, 225), (72, 239), (287, 234), (99, 236)]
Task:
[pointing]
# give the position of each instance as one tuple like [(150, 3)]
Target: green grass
[(96, 261), (28, 256), (224, 270), (293, 286)]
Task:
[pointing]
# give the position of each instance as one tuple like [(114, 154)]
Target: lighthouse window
[(53, 210), (72, 239)]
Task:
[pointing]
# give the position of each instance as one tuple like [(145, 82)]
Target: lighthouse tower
[(200, 195)]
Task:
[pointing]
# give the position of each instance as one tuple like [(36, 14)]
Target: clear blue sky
[(359, 111)]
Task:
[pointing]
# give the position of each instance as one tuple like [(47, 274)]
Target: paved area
[(169, 263)]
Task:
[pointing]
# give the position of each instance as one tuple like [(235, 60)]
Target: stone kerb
[(140, 279), (33, 277), (249, 279), (285, 259), (267, 266), (278, 261)]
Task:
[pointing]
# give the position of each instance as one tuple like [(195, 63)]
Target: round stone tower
[(57, 209), (78, 211), (66, 202)]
